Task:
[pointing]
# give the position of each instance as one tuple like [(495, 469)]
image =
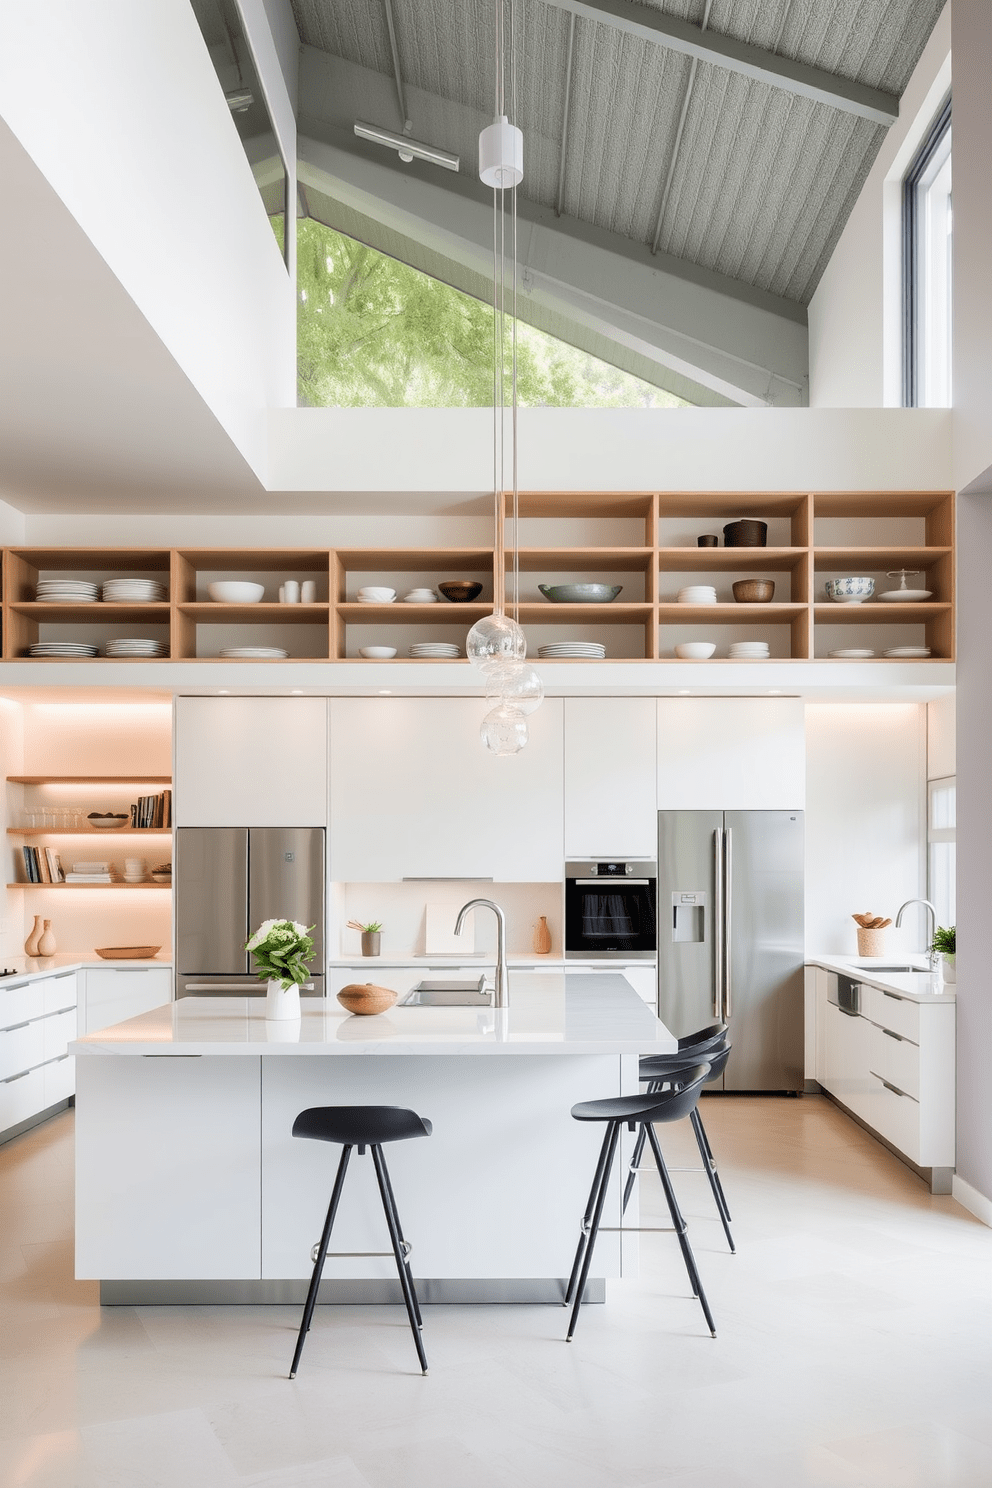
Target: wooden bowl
[(460, 591), (127, 953), (364, 998), (754, 591)]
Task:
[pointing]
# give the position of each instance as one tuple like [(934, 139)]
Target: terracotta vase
[(31, 944), (46, 945), (542, 936)]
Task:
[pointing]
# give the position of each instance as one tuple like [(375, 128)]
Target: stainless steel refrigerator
[(228, 880), (730, 937)]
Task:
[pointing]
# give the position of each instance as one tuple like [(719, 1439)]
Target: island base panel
[(458, 1291)]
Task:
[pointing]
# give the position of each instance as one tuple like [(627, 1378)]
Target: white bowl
[(695, 650), (377, 653), (235, 591), (906, 596), (377, 595)]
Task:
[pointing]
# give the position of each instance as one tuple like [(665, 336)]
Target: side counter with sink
[(883, 1037)]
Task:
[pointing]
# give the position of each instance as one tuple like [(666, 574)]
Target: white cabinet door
[(251, 762), (414, 794), (731, 754), (112, 994), (644, 980), (611, 773), (846, 1060), (167, 1167)]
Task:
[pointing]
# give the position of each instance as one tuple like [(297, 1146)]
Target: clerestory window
[(927, 228)]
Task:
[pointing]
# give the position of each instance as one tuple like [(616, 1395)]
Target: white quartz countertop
[(918, 986), (38, 966), (548, 1014)]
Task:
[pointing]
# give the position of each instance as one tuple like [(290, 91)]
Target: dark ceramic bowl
[(459, 591), (747, 533)]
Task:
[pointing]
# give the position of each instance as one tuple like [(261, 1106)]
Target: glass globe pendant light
[(504, 730), (496, 644)]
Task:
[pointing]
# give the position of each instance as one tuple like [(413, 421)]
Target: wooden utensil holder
[(871, 942)]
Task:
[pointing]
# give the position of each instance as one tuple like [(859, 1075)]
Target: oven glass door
[(608, 917)]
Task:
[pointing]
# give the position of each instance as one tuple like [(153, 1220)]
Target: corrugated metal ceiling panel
[(764, 180)]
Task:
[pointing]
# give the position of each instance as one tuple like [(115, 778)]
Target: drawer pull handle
[(894, 995), (894, 1088), (897, 1036), (26, 1024), (11, 1078)]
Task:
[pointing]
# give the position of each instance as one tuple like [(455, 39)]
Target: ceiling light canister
[(501, 154)]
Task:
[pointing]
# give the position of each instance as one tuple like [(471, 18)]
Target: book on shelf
[(32, 872), (150, 812), (78, 878), (55, 868)]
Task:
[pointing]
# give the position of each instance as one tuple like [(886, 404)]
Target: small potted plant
[(282, 950), (370, 935), (945, 943)]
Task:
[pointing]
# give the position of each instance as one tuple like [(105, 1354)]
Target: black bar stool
[(711, 1044), (361, 1127), (635, 1110)]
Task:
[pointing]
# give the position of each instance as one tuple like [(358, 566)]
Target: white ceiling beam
[(738, 56)]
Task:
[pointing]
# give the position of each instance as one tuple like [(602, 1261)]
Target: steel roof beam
[(738, 56)]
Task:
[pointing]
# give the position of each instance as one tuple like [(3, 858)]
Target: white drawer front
[(18, 1004), (21, 1048), (21, 1097), (59, 992), (60, 1080), (895, 1117), (895, 1059), (59, 1029), (897, 1013)]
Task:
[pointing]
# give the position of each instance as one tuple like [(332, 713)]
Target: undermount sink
[(875, 966), (448, 994)]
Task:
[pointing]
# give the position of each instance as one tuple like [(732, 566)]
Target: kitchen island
[(190, 1187)]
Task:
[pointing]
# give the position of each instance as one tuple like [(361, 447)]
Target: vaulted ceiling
[(717, 145)]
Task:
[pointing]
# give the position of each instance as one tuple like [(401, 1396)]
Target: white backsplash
[(401, 907)]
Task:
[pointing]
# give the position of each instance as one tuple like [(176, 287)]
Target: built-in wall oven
[(611, 909)]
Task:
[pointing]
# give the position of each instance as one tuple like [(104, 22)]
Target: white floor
[(853, 1349)]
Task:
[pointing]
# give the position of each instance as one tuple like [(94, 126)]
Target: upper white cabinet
[(414, 794), (611, 795), (731, 754), (251, 762)]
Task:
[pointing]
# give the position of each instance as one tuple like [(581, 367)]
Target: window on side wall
[(926, 228), (941, 848)]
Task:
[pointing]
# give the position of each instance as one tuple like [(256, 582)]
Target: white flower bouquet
[(281, 950)]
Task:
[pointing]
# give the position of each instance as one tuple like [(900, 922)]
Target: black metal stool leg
[(409, 1296), (628, 1187), (613, 1134), (325, 1240), (587, 1217), (680, 1227), (711, 1175), (399, 1230), (701, 1131)]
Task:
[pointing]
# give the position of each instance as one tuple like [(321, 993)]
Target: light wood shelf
[(89, 831), (90, 779), (58, 887), (645, 547)]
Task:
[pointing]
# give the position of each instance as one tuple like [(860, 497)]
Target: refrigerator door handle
[(728, 909), (719, 913)]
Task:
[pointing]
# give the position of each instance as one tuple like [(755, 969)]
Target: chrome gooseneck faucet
[(932, 955), (501, 994)]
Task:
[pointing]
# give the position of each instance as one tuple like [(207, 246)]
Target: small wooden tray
[(127, 953)]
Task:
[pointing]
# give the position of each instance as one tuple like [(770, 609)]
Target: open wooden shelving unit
[(639, 538), (90, 833)]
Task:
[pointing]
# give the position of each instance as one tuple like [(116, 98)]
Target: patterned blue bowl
[(850, 591)]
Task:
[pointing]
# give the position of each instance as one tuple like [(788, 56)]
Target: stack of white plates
[(254, 653), (63, 648), (748, 650), (67, 591), (435, 650), (137, 648), (853, 653), (563, 650), (908, 651), (133, 591), (697, 594)]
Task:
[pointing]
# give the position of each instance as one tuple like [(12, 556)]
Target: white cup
[(282, 593), (291, 592), (308, 591)]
